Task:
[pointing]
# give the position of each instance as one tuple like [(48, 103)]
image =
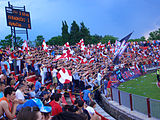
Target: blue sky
[(102, 17)]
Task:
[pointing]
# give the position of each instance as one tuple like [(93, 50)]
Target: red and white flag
[(81, 41), (81, 44), (109, 43), (84, 61), (67, 55), (66, 45), (58, 57), (88, 52), (91, 60), (100, 45), (74, 59), (64, 76), (69, 48), (44, 46), (101, 54), (25, 46), (80, 57)]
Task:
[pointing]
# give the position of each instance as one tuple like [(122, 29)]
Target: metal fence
[(137, 103), (125, 99), (155, 108)]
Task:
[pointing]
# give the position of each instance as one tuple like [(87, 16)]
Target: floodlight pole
[(26, 28), (10, 6), (12, 37)]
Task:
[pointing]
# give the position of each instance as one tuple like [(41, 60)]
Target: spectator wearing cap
[(46, 114), (56, 108), (45, 110), (29, 113)]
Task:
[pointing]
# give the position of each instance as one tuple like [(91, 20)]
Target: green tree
[(39, 40), (95, 39), (8, 41), (74, 33), (138, 39), (106, 38), (155, 35), (19, 42), (65, 33), (85, 33), (56, 41), (31, 44)]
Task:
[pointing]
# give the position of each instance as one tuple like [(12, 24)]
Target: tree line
[(73, 36)]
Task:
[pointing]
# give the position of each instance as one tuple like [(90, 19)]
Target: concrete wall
[(117, 113)]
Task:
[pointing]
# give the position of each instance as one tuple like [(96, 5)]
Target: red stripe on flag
[(67, 81), (63, 70), (69, 72), (58, 75)]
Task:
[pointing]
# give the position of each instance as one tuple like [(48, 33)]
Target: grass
[(143, 86)]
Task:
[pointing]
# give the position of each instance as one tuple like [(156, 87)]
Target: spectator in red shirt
[(55, 104), (109, 87)]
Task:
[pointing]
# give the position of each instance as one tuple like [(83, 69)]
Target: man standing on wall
[(109, 87), (158, 72)]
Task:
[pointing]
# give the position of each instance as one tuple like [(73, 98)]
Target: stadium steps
[(98, 109), (103, 113)]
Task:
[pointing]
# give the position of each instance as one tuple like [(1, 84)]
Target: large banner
[(123, 75)]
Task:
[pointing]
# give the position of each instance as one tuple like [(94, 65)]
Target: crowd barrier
[(147, 106)]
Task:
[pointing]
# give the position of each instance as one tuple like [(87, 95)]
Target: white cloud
[(156, 26)]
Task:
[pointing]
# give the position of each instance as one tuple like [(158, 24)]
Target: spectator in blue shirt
[(87, 95), (2, 87), (37, 85)]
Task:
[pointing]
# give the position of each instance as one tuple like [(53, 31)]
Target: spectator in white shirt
[(20, 93), (54, 75), (99, 76), (20, 96)]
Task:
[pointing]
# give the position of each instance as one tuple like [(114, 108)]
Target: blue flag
[(53, 53), (122, 47)]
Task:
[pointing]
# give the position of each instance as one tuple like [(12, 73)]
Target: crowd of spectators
[(19, 97)]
